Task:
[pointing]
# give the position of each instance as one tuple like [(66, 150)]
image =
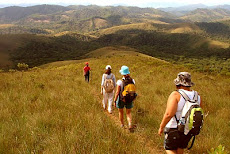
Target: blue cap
[(124, 70)]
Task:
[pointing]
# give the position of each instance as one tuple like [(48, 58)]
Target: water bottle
[(181, 124)]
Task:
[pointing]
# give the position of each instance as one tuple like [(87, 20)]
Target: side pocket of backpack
[(171, 139)]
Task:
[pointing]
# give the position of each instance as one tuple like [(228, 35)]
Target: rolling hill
[(166, 42), (52, 33), (78, 18), (52, 19)]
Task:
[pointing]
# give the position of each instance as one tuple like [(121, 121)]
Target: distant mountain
[(227, 7), (53, 19), (180, 11), (15, 13), (79, 18), (183, 10), (2, 6), (207, 15)]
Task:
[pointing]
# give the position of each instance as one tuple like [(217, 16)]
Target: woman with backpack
[(175, 139), (119, 100), (108, 85)]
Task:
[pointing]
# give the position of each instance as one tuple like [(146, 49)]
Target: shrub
[(218, 150), (23, 66), (12, 70)]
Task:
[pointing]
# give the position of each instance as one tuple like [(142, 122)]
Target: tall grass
[(53, 110)]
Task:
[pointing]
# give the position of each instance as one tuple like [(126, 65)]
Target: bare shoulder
[(175, 95)]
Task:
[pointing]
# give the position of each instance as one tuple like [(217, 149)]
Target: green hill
[(195, 50), (54, 105), (38, 49), (219, 30)]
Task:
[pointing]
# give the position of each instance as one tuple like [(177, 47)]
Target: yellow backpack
[(129, 90)]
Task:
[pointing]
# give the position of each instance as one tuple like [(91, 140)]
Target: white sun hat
[(108, 67)]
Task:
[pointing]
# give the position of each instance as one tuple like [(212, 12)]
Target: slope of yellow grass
[(54, 106), (218, 44), (114, 29), (211, 44), (3, 26)]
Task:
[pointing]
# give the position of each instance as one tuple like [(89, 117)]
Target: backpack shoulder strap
[(195, 98), (184, 95), (111, 76), (105, 76), (123, 84)]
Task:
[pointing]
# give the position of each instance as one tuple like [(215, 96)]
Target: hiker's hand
[(160, 131), (115, 104)]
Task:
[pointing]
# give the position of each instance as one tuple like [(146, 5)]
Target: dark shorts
[(175, 139), (120, 104), (87, 77)]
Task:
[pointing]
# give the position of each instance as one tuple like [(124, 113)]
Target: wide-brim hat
[(108, 67), (124, 70), (184, 79)]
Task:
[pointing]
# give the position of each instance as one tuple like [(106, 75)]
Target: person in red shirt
[(86, 71)]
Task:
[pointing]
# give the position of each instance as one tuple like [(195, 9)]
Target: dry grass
[(218, 44), (53, 110), (114, 29), (3, 26)]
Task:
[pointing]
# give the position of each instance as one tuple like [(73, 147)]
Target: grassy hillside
[(54, 106)]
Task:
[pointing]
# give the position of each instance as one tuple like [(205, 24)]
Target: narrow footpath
[(140, 137)]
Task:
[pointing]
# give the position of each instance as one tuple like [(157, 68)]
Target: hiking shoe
[(131, 130), (122, 126), (110, 112)]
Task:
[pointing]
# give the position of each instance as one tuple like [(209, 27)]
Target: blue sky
[(140, 3)]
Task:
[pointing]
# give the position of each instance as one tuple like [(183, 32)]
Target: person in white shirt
[(175, 141), (108, 85)]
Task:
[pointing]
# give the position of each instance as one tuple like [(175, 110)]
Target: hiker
[(119, 100), (175, 140), (86, 71), (108, 85)]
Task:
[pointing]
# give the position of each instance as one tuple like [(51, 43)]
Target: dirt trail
[(140, 137)]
